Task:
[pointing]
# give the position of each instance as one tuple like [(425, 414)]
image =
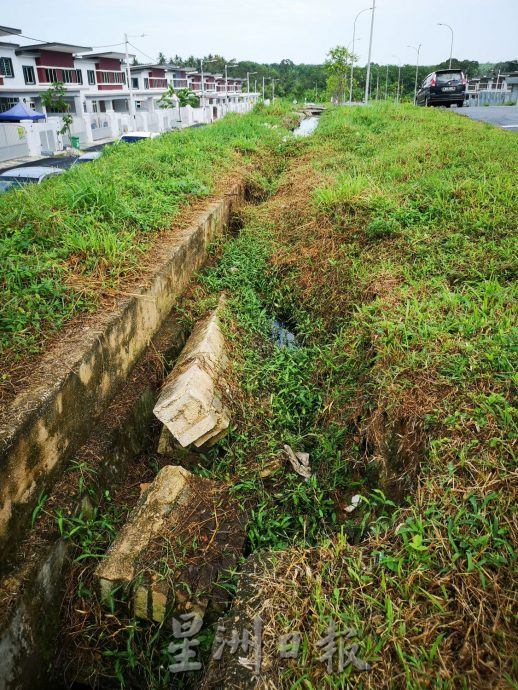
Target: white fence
[(42, 139), (13, 141)]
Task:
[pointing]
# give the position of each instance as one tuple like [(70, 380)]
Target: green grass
[(387, 243), (390, 244), (65, 242)]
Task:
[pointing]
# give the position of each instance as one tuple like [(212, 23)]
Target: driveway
[(503, 116), (51, 161)]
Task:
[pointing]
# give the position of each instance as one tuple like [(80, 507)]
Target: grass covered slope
[(64, 243), (389, 246)]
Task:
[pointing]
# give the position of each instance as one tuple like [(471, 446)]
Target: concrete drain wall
[(46, 424)]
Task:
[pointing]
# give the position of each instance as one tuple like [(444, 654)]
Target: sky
[(272, 30)]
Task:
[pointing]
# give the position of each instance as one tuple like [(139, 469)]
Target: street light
[(418, 50), (398, 76), (230, 64), (203, 85), (248, 81), (367, 9), (128, 73), (451, 45), (273, 87), (368, 78)]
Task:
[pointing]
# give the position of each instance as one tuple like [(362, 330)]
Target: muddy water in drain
[(281, 336)]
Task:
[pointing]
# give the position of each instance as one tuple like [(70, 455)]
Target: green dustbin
[(75, 142)]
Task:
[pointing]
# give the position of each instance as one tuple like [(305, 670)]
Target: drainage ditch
[(74, 525)]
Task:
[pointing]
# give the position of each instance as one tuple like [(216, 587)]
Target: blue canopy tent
[(20, 112)]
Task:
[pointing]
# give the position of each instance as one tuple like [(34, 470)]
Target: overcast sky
[(270, 30)]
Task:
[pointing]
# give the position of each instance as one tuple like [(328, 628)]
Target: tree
[(337, 66), (187, 97), (168, 99), (135, 61), (161, 59), (54, 101), (182, 97)]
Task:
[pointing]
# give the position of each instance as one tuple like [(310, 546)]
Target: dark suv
[(443, 87)]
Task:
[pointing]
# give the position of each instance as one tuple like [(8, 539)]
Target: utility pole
[(378, 84), (226, 84), (230, 64), (203, 86), (273, 88), (130, 83), (386, 84), (202, 91), (398, 76), (248, 83), (367, 80), (352, 55), (451, 44), (418, 50)]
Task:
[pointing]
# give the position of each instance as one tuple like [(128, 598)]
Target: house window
[(6, 67), (28, 74), (7, 103), (91, 76), (67, 76), (134, 82), (95, 106), (146, 83), (51, 75), (79, 76)]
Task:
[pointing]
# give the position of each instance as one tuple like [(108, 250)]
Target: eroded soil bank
[(382, 243)]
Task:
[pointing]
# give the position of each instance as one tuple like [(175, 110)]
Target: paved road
[(504, 116), (52, 161)]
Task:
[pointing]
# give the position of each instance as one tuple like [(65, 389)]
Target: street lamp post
[(227, 65), (368, 78), (128, 76), (248, 81), (203, 86), (273, 88), (418, 50), (398, 76), (367, 9), (451, 44)]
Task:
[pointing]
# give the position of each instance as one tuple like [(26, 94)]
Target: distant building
[(99, 97)]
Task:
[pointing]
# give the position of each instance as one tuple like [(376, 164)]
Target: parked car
[(133, 137), (443, 87), (6, 185), (33, 174), (87, 157)]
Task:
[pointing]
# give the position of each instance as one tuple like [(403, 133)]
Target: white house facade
[(106, 97)]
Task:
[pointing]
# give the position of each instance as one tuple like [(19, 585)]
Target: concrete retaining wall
[(46, 424)]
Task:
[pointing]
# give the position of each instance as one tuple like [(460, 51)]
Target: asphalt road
[(53, 161), (503, 116)]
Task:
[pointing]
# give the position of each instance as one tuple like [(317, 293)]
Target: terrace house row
[(101, 101)]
